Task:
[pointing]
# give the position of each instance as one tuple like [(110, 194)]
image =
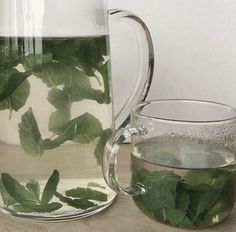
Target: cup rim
[(145, 103)]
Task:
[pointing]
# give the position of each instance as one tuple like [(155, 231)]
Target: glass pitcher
[(56, 110)]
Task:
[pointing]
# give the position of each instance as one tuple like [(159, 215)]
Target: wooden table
[(122, 216)]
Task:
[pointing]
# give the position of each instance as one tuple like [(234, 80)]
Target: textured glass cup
[(56, 106), (183, 161)]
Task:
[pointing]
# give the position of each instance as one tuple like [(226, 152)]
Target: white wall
[(195, 45)]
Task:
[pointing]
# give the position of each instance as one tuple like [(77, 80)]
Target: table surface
[(121, 216)]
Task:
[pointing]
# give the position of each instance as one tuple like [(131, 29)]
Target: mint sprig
[(27, 199), (87, 193), (190, 201)]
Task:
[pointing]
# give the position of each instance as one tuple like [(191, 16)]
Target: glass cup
[(182, 161)]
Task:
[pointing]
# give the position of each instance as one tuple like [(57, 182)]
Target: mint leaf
[(29, 133), (87, 193), (14, 81), (84, 128), (33, 187), (173, 216), (186, 222), (182, 198), (38, 208), (76, 203), (89, 58), (33, 62), (50, 188), (96, 185), (6, 198), (14, 89), (53, 74), (212, 178), (61, 101), (80, 87), (57, 120), (17, 191), (101, 145)]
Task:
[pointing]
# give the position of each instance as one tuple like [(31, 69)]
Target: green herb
[(96, 185), (14, 89), (38, 208), (33, 187), (192, 201), (30, 135), (66, 67), (101, 145), (35, 62), (26, 199), (50, 188), (61, 101), (87, 193), (6, 198), (17, 191), (83, 129), (76, 203)]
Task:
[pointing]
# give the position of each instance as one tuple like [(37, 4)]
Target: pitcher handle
[(146, 69)]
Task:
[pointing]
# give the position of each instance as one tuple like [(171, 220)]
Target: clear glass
[(56, 110), (183, 161)]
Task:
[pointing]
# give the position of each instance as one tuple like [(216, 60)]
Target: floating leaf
[(38, 208), (50, 188), (87, 193), (33, 187), (84, 128), (29, 133), (76, 203), (6, 198), (17, 191)]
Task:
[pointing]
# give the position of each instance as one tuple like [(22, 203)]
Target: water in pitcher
[(188, 183), (55, 117)]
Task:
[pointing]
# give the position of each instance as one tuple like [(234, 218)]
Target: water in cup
[(188, 183), (55, 119)]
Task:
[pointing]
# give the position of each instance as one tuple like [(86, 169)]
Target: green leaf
[(213, 178), (34, 187), (17, 191), (57, 120), (202, 201), (38, 208), (6, 198), (33, 62), (61, 101), (186, 223), (96, 185), (20, 96), (29, 133), (182, 198), (53, 74), (14, 89), (173, 216), (84, 128), (90, 54), (101, 145), (76, 203), (87, 193), (50, 188), (14, 81)]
